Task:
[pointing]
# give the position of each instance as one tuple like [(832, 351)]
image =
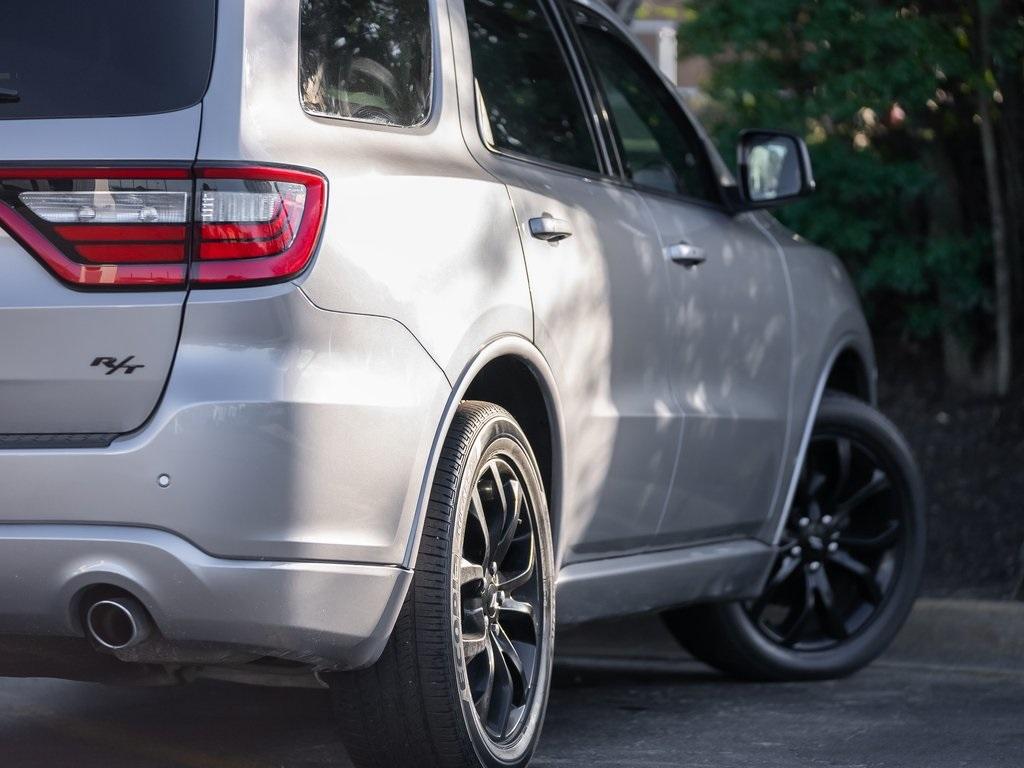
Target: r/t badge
[(113, 365)]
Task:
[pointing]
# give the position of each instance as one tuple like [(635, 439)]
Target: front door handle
[(689, 256), (550, 229)]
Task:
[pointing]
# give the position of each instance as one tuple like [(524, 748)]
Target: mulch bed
[(971, 451)]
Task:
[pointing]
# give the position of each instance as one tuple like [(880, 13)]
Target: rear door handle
[(689, 256), (550, 229)]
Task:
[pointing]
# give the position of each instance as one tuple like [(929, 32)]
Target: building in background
[(656, 24)]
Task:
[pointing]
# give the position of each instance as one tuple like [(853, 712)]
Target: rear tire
[(848, 566), (478, 622)]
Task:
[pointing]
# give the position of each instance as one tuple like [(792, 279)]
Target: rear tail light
[(255, 224), (165, 227), (112, 227)]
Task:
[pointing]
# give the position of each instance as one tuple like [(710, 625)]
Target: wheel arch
[(850, 372), (511, 372), (849, 367), (508, 381)]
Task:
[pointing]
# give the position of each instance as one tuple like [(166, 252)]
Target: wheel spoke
[(513, 583), (878, 483), (476, 509), (791, 633), (787, 569), (787, 543), (815, 484), (495, 522), (882, 541), (864, 575), (516, 667), (831, 619), (483, 701), (507, 529), (499, 489), (501, 697)]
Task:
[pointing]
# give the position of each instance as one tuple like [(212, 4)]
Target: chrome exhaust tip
[(118, 623)]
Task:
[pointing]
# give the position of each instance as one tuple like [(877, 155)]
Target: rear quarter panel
[(415, 230)]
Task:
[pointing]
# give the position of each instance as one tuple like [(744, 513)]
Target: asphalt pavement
[(621, 698)]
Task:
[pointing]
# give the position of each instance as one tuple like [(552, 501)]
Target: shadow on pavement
[(621, 698)]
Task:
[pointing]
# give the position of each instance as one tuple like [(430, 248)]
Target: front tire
[(848, 564), (463, 681)]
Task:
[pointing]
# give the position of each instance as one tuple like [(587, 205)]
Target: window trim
[(433, 81), (720, 202), (581, 83), (601, 112), (606, 169)]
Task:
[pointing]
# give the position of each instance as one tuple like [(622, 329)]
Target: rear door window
[(366, 60), (527, 101), (104, 58)]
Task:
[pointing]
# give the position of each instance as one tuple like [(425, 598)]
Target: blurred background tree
[(914, 114)]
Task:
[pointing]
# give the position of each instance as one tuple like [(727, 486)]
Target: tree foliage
[(887, 96)]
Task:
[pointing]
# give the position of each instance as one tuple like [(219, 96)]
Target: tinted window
[(658, 145), (527, 101), (366, 60), (104, 58)]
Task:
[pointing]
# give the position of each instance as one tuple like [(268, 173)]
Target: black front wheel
[(847, 564), (463, 682)]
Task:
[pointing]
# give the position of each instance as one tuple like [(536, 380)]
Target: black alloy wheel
[(841, 551), (844, 574)]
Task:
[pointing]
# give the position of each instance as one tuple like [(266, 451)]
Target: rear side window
[(527, 102), (366, 60), (104, 58)]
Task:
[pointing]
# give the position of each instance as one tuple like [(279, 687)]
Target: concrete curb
[(974, 633)]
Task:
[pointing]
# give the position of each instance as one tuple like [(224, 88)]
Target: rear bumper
[(286, 433), (325, 613), (267, 505)]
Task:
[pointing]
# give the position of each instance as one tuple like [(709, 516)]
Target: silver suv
[(340, 337)]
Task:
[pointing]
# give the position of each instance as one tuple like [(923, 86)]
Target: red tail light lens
[(255, 224), (130, 228), (108, 227)]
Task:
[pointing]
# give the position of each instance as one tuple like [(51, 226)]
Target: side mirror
[(774, 168)]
